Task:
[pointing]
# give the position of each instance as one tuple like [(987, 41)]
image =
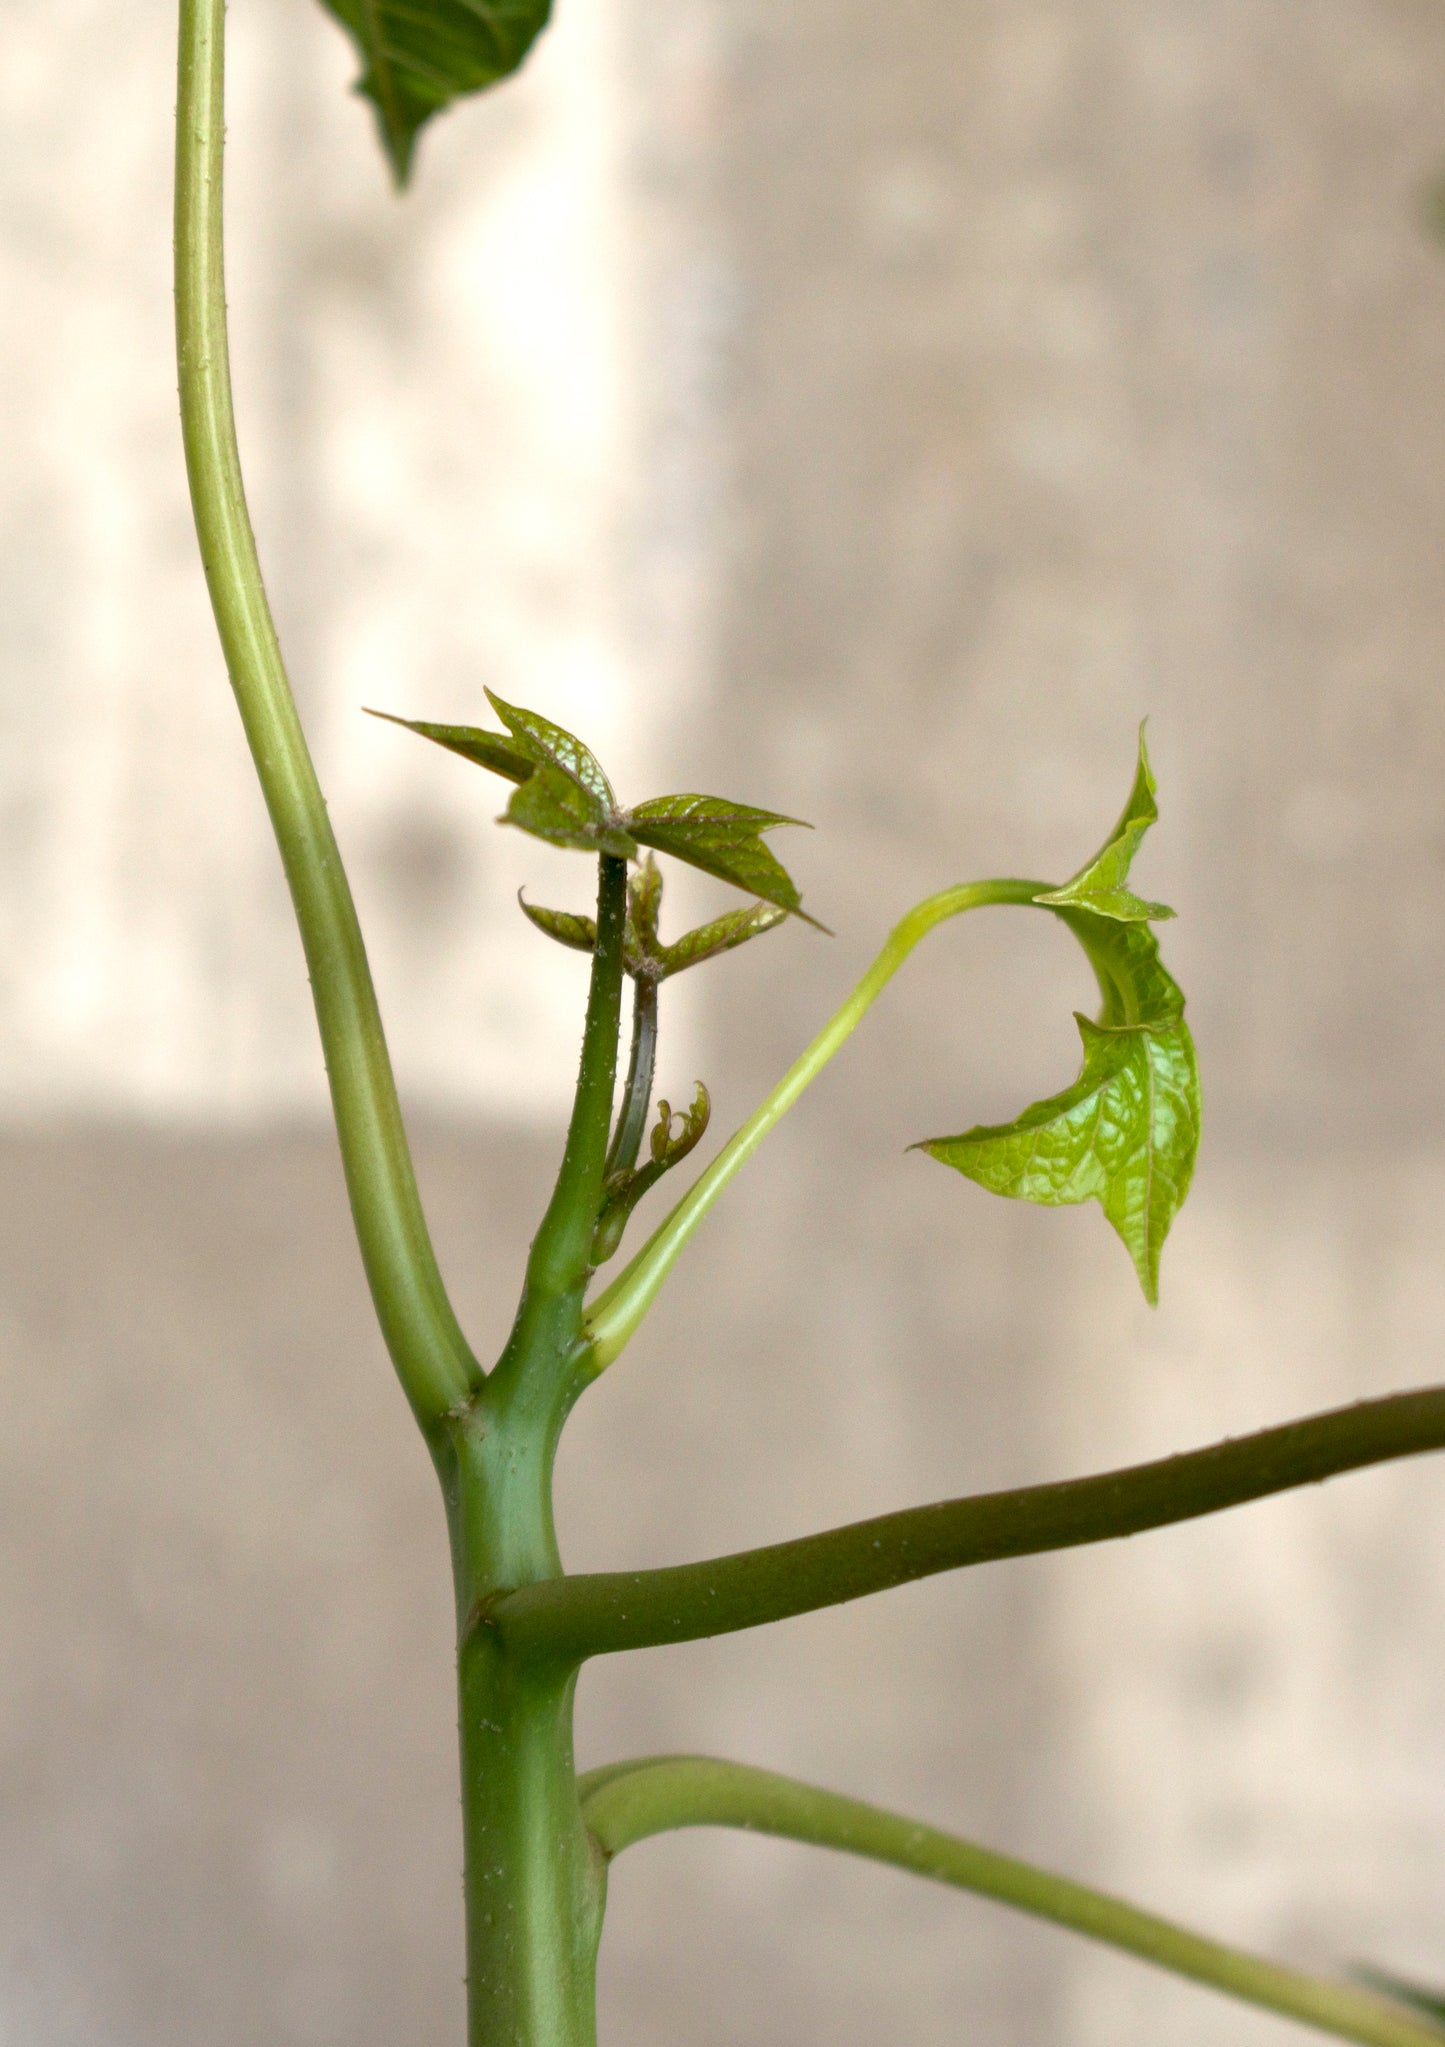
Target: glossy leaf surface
[(1099, 884), (1126, 1133), (420, 55), (563, 796), (721, 838)]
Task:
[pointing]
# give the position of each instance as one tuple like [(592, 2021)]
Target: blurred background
[(870, 414)]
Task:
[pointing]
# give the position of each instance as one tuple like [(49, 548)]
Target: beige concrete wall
[(972, 381)]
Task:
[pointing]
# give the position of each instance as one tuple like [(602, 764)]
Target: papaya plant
[(538, 1837)]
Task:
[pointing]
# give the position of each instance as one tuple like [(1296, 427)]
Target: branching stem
[(594, 1614), (617, 1311)]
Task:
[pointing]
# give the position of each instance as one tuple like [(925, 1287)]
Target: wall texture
[(871, 414)]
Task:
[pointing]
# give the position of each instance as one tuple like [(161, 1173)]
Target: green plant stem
[(432, 1358), (592, 1614), (534, 1882), (637, 1095), (629, 1802), (615, 1314)]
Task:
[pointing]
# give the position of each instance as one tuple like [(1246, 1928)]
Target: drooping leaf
[(420, 55), (723, 839), (580, 933), (1127, 1132), (1099, 884), (734, 927), (1430, 2002), (486, 749), (1124, 1135)]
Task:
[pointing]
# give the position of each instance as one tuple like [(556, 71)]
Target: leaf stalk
[(627, 1803)]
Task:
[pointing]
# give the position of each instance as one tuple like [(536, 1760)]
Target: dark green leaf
[(552, 747), (420, 55), (1430, 2002), (487, 749), (564, 925), (553, 805), (734, 927), (722, 839), (1099, 885)]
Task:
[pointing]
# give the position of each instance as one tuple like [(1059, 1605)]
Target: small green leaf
[(1099, 884), (564, 796), (420, 55), (549, 746), (486, 749), (723, 839), (1430, 2002), (553, 805), (734, 927), (669, 1146), (580, 933)]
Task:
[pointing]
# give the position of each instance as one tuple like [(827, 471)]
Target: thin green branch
[(561, 1251), (641, 1065), (432, 1358), (615, 1314), (627, 1804), (595, 1614)]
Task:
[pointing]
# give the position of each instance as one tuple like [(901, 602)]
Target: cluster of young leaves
[(1127, 1131), (418, 58), (563, 796)]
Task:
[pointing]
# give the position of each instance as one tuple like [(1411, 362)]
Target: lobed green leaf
[(1099, 884), (1127, 1132), (420, 55)]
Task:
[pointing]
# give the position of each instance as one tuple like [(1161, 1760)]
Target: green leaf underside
[(1127, 1132), (1099, 883), (420, 55), (733, 928), (708, 941), (580, 933), (563, 796)]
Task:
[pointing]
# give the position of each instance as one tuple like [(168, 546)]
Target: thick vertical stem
[(535, 1881)]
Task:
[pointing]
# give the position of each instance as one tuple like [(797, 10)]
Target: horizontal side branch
[(627, 1803), (599, 1613)]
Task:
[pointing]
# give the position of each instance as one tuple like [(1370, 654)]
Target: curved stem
[(594, 1614), (623, 1805), (617, 1311), (433, 1361)]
